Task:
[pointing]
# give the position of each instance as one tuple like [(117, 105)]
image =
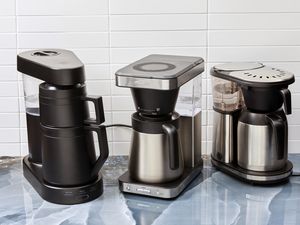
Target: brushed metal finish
[(223, 137), (252, 72), (257, 150), (159, 83), (149, 159), (190, 135)]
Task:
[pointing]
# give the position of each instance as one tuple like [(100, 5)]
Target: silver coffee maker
[(250, 130), (165, 152)]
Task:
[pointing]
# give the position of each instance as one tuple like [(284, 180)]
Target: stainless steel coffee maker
[(250, 130), (165, 154)]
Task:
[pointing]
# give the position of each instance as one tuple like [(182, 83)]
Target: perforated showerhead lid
[(253, 74)]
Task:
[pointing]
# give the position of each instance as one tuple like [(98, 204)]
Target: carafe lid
[(160, 72), (253, 74), (54, 66)]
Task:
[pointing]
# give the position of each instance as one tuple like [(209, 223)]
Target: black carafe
[(62, 165)]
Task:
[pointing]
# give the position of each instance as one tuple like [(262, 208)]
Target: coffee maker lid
[(54, 66), (253, 74), (160, 72)]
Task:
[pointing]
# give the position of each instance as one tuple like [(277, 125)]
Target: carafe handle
[(172, 134), (279, 133), (286, 95), (103, 146), (98, 103)]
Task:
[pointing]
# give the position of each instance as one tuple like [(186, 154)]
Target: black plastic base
[(61, 195), (253, 177)]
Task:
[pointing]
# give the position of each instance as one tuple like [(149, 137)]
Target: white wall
[(108, 34)]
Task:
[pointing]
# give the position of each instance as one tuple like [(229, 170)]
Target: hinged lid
[(253, 74), (160, 72), (55, 66)]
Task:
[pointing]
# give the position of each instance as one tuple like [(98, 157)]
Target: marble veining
[(213, 198)]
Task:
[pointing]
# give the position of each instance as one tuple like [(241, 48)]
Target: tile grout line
[(18, 80), (110, 71), (207, 74)]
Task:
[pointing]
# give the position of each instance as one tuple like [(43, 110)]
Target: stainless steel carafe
[(156, 158), (262, 144)]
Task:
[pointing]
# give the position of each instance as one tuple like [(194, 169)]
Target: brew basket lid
[(253, 74)]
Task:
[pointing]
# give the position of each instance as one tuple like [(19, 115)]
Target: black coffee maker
[(62, 165)]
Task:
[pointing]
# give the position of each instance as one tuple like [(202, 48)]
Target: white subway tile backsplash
[(62, 40), (293, 146), (10, 149), (7, 57), (9, 120), (9, 135), (122, 103), (22, 120), (97, 72), (93, 55), (8, 8), (123, 117), (254, 53), (8, 73), (128, 55), (234, 6), (122, 134), (254, 37), (294, 118), (254, 21), (39, 7), (98, 87), (158, 22), (157, 6), (296, 101), (47, 24), (8, 89), (107, 103), (158, 39), (294, 132), (23, 135), (7, 24), (67, 7), (24, 149), (81, 7), (9, 105)]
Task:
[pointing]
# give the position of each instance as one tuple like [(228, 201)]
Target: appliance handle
[(98, 103), (286, 95), (279, 132), (172, 134), (103, 146)]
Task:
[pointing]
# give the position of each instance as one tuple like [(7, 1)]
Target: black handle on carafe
[(103, 146), (98, 103), (279, 133), (286, 95), (172, 134)]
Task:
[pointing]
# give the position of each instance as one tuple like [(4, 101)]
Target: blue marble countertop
[(213, 198)]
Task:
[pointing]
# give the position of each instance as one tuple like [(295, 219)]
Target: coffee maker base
[(260, 178), (166, 190), (60, 195)]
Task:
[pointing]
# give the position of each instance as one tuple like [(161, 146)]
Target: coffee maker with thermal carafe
[(250, 130), (164, 155), (62, 165)]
